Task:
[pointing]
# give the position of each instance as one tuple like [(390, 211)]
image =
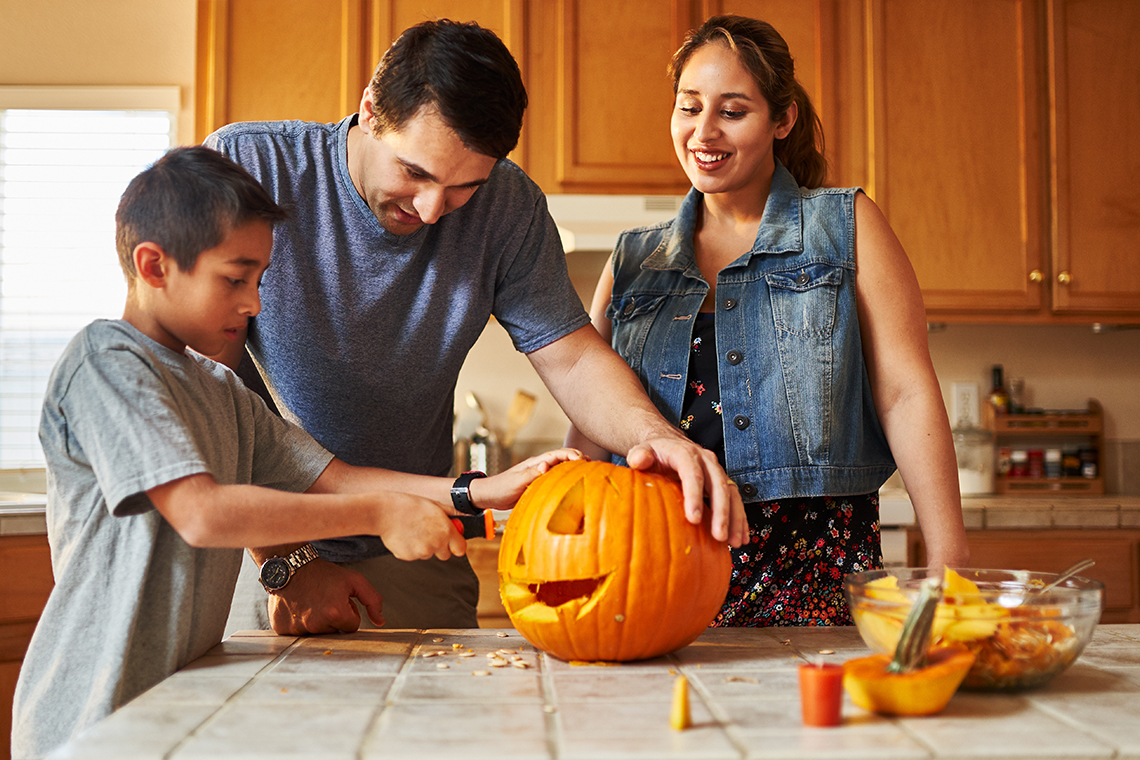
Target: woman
[(780, 324)]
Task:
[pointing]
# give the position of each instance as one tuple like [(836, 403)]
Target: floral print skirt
[(790, 571)]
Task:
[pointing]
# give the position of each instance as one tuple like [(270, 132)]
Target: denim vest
[(796, 402)]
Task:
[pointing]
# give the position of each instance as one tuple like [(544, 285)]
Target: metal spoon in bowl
[(1084, 564)]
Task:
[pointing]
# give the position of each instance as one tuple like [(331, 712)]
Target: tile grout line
[(714, 708), (397, 682), (232, 698), (549, 704)]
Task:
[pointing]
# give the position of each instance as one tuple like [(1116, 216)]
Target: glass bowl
[(1021, 637)]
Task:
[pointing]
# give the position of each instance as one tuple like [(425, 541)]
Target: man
[(408, 230)]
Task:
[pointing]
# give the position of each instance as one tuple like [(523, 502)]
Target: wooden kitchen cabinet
[(595, 70), (601, 98), (1095, 155), (311, 59), (1000, 149), (955, 106), (1116, 552), (25, 582)]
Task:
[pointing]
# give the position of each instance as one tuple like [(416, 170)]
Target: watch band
[(301, 556), (461, 493)]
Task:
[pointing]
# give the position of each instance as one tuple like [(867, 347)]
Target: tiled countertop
[(374, 695), (999, 512), (1044, 511), (22, 514)]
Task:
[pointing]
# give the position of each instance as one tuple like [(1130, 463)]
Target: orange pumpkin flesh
[(924, 691), (598, 562)]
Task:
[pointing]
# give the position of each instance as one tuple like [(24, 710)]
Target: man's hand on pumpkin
[(318, 599), (701, 478)]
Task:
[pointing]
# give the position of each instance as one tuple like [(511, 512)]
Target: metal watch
[(461, 493), (276, 571)]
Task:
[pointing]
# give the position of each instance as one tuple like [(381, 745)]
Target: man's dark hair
[(463, 70), (187, 202)]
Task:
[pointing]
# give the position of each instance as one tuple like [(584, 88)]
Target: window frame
[(84, 98)]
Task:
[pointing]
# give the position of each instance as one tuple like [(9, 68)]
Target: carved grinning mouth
[(569, 518), (557, 593)]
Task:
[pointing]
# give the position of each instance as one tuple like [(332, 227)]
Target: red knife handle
[(475, 526)]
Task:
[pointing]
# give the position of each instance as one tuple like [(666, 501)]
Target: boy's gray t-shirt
[(132, 601), (362, 333)]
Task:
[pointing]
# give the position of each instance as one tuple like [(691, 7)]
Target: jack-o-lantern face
[(599, 563)]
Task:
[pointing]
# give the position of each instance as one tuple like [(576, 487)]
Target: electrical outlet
[(965, 411)]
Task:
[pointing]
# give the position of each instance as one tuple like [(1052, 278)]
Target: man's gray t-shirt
[(362, 333), (132, 601)]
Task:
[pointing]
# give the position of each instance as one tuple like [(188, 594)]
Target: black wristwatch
[(461, 493), (276, 571)]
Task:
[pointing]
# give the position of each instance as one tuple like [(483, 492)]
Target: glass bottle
[(999, 397)]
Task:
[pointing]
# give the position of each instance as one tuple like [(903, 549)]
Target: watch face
[(275, 573)]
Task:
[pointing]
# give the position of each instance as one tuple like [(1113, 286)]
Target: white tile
[(974, 518), (750, 685), (459, 732), (351, 689), (241, 732), (1079, 516), (616, 685), (874, 740), (194, 689), (990, 725), (214, 666), (498, 686), (593, 731), (136, 732), (1029, 515)]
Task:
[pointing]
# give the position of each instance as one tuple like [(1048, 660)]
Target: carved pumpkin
[(599, 563)]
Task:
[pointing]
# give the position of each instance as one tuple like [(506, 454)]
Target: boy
[(159, 459)]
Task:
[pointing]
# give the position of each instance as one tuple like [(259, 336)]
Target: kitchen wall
[(101, 42), (143, 42), (1063, 367)]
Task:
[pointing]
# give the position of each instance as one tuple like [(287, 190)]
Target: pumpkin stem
[(910, 654)]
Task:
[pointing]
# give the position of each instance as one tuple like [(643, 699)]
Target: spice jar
[(1088, 463), (1019, 463), (1052, 463), (1036, 463), (1005, 462), (1071, 462)]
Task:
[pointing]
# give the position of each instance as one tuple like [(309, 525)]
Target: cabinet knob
[(1064, 278), (1036, 276)]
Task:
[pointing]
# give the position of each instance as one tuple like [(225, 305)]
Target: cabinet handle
[(1064, 278), (1036, 276)]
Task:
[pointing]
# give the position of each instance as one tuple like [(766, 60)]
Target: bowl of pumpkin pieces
[(984, 630)]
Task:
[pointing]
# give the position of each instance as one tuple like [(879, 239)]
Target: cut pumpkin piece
[(924, 691)]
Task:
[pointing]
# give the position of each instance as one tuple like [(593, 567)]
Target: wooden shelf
[(1088, 427)]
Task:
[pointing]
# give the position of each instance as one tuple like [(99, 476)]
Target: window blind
[(62, 171)]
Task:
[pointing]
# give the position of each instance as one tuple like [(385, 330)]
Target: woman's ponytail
[(802, 150)]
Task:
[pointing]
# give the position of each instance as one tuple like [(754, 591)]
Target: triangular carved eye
[(521, 559), (569, 518)]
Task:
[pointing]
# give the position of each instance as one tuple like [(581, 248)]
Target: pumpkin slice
[(924, 691)]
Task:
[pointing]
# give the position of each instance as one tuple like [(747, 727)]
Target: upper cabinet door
[(311, 59), (600, 97), (1095, 66), (955, 161)]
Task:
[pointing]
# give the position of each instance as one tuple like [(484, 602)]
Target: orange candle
[(821, 694)]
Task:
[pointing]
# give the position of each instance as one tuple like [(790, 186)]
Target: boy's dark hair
[(463, 70), (187, 202)]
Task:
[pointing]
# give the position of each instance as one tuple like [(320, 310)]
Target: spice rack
[(1085, 428)]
